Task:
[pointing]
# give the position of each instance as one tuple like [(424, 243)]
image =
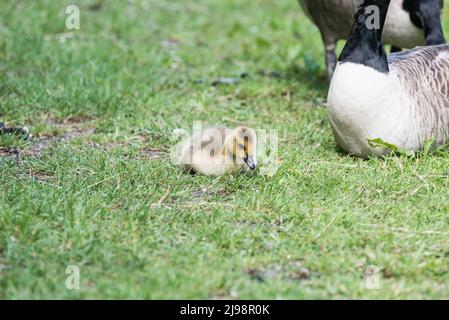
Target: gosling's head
[(243, 146)]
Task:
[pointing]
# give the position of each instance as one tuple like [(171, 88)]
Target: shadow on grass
[(311, 76)]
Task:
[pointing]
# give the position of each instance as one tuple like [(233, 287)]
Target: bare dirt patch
[(205, 192), (9, 152), (39, 144), (293, 271), (150, 153), (72, 127)]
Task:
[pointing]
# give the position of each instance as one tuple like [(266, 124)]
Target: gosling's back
[(201, 152)]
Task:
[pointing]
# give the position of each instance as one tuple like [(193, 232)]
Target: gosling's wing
[(201, 148), (203, 137), (215, 135), (206, 139), (425, 72)]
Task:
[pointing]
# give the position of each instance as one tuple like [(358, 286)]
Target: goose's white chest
[(366, 104)]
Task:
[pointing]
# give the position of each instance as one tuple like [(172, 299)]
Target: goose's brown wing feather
[(424, 74), (425, 70)]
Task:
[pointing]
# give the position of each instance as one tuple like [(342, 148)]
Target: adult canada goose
[(402, 98), (218, 150), (409, 23)]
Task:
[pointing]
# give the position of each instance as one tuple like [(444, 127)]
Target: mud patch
[(39, 144), (67, 129), (291, 271), (39, 175), (149, 154), (143, 153), (11, 152), (206, 192), (96, 6)]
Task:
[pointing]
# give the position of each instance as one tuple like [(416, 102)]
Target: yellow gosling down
[(218, 150)]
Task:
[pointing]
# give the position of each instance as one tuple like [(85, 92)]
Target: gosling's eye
[(241, 146)]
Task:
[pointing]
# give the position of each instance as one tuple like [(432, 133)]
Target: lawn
[(95, 188)]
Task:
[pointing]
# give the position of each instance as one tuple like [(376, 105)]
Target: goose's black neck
[(364, 45)]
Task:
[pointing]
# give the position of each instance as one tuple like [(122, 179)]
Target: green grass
[(95, 187)]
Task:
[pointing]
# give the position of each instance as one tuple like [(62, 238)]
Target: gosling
[(218, 150)]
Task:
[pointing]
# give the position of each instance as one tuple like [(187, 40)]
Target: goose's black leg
[(395, 49), (331, 57)]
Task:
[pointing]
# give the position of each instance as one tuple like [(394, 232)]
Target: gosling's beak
[(250, 162)]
